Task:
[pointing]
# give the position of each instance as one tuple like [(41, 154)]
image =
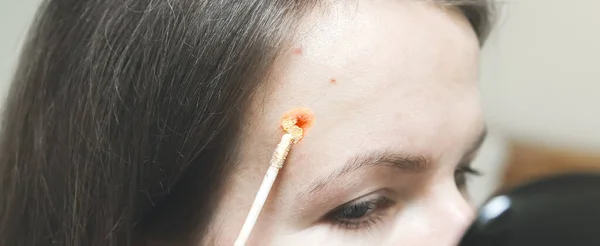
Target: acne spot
[(333, 80), (302, 117), (298, 51)]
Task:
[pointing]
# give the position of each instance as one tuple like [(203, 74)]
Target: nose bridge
[(439, 218), (450, 213), (458, 208)]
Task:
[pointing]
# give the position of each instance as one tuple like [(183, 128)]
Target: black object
[(557, 211)]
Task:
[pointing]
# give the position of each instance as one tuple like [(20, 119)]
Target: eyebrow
[(401, 161), (408, 163)]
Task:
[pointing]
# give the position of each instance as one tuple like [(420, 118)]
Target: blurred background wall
[(15, 17), (541, 72), (540, 82), (541, 91)]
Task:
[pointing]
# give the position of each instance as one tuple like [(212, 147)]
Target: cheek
[(328, 235)]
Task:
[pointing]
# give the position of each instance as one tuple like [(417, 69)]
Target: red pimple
[(298, 51), (333, 80)]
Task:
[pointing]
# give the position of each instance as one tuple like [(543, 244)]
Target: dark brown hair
[(122, 113)]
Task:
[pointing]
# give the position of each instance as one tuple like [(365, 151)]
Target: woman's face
[(393, 87)]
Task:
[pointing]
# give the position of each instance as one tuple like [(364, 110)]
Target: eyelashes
[(360, 214), (368, 211), (461, 175)]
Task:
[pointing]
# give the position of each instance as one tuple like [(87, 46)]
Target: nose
[(460, 214), (454, 214), (449, 214), (439, 218)]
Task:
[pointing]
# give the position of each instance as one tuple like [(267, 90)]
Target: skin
[(405, 85)]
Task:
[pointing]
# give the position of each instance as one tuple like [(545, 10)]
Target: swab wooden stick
[(294, 123)]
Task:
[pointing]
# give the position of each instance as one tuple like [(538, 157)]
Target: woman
[(151, 122)]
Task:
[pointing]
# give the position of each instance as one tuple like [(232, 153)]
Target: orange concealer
[(302, 118)]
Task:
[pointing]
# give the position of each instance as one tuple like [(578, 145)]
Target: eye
[(359, 214), (461, 173)]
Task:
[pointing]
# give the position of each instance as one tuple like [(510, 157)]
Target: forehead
[(378, 75)]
